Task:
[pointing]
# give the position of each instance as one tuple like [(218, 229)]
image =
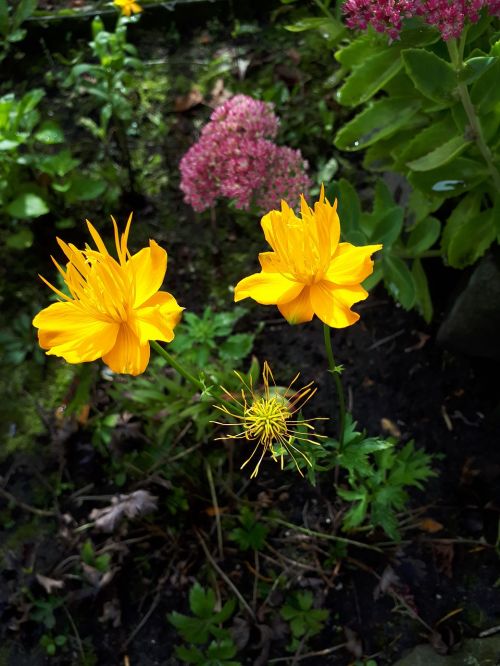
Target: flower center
[(266, 420)]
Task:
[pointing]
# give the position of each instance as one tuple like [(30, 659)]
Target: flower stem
[(176, 365), (188, 376), (338, 383), (456, 57)]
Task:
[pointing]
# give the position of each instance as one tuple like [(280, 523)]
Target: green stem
[(199, 386), (338, 383), (456, 56), (177, 366)]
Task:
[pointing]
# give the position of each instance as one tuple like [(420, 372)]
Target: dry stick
[(213, 494), (77, 635), (322, 535), (22, 505), (224, 576), (320, 653)]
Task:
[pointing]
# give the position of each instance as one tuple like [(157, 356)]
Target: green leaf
[(369, 77), (432, 76), (330, 26), (20, 240), (84, 188), (485, 93), (388, 227), (201, 602), (4, 17), (49, 132), (399, 281), (423, 236), (358, 51), (441, 155), (471, 240), (349, 208), (424, 302), (380, 120), (27, 205), (475, 67), (24, 10), (236, 347), (467, 209), (452, 179)]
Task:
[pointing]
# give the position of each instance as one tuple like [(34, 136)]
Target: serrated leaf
[(475, 67), (369, 77), (423, 236), (201, 602), (388, 228), (440, 155), (471, 240), (349, 207), (452, 179), (433, 77), (485, 93), (399, 281), (378, 121)]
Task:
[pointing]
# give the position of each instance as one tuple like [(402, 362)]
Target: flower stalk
[(456, 51), (334, 369)]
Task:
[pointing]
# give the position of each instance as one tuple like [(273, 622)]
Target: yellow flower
[(128, 7), (309, 272), (115, 306), (267, 419)]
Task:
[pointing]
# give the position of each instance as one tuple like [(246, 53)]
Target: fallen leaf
[(49, 584), (135, 504), (430, 525), (389, 426), (422, 339)]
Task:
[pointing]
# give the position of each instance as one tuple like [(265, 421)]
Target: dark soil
[(438, 584)]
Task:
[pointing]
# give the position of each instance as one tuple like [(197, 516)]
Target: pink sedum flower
[(448, 16), (236, 158)]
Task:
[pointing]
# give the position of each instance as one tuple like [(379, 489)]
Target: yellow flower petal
[(299, 310), (350, 264), (127, 356), (271, 263), (69, 331), (267, 288), (156, 319), (332, 304), (147, 269)]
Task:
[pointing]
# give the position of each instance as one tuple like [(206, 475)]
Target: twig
[(213, 494), (320, 653), (77, 635), (224, 576), (322, 535), (22, 505), (382, 341)]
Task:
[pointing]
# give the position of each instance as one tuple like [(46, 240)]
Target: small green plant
[(91, 559), (35, 177), (304, 620), (204, 625), (108, 85), (251, 534), (12, 16), (379, 473), (51, 643), (198, 339)]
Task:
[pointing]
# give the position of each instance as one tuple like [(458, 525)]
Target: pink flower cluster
[(235, 157), (448, 16)]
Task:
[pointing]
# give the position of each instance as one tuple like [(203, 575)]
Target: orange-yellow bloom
[(128, 7), (309, 271), (115, 307), (266, 419)]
